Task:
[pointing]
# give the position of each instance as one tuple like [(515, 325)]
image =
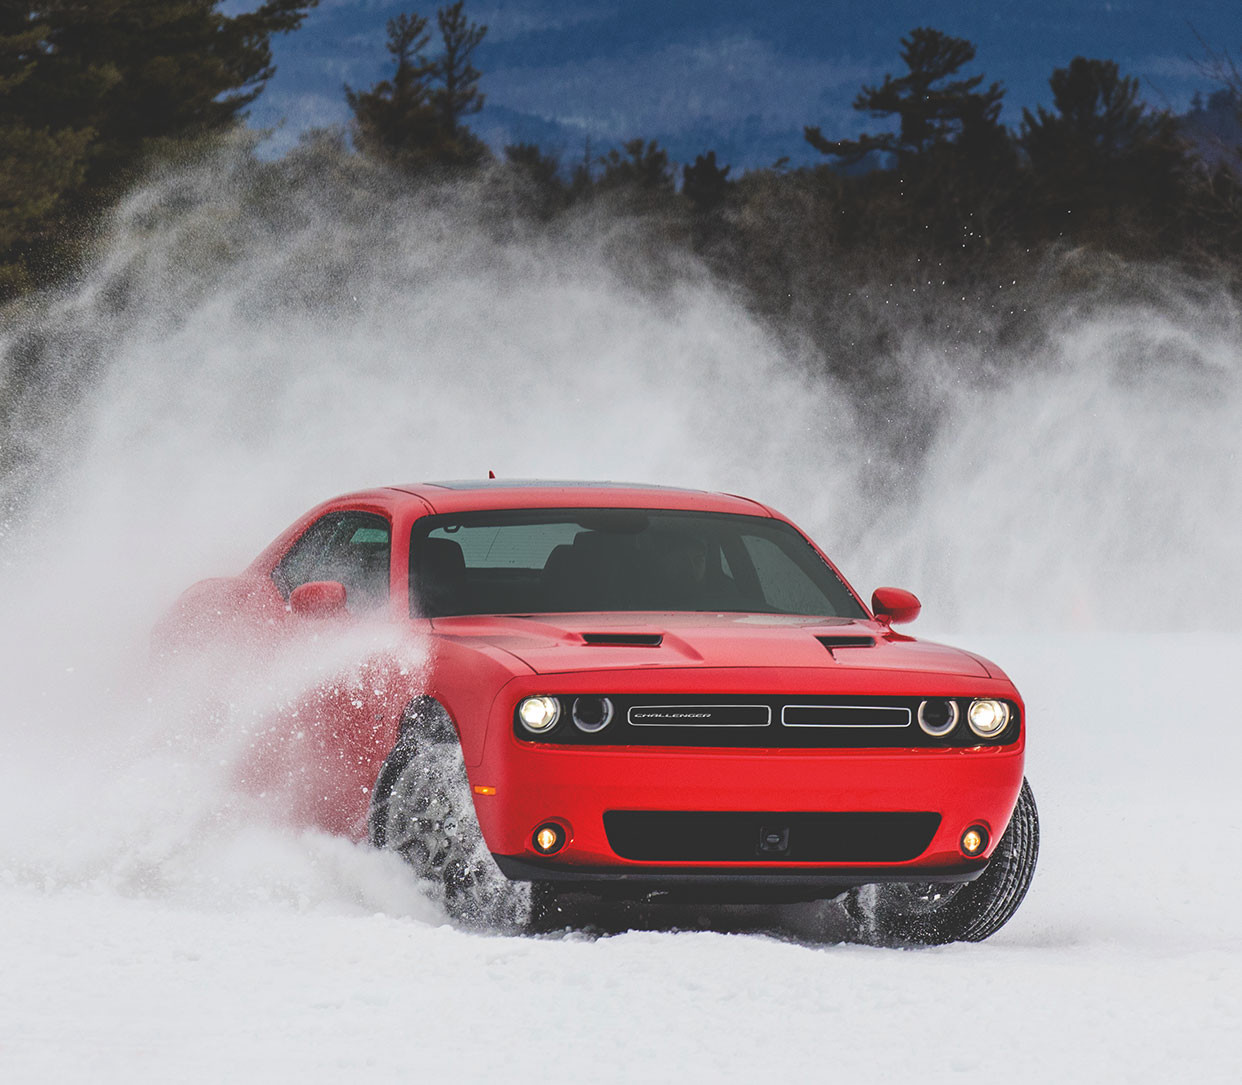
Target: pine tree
[(643, 165), (395, 116), (37, 166), (457, 94), (705, 184), (932, 109), (91, 89), (1098, 119), (143, 72), (22, 38), (1102, 161), (414, 119), (952, 167)]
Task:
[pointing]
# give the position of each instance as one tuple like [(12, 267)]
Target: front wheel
[(422, 809), (932, 914)]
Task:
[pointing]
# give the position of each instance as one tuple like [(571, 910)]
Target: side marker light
[(484, 789)]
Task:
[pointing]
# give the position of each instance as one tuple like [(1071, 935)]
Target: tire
[(547, 909), (422, 809), (933, 914)]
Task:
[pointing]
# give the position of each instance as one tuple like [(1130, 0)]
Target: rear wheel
[(932, 914), (422, 809)]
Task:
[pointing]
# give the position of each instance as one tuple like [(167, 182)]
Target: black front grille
[(691, 836), (763, 721), (845, 715), (698, 715)]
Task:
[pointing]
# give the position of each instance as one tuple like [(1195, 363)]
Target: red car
[(631, 691)]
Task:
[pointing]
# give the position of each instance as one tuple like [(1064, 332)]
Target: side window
[(349, 547)]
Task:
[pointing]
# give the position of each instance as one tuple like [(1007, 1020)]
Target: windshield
[(538, 561)]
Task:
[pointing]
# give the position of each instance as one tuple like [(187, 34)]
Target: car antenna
[(491, 474)]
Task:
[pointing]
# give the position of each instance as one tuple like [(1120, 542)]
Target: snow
[(1075, 518), (313, 958)]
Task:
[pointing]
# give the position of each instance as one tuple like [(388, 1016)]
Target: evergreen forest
[(938, 211)]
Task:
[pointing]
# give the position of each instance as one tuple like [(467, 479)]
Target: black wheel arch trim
[(425, 719)]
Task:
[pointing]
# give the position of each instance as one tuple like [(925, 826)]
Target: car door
[(320, 744)]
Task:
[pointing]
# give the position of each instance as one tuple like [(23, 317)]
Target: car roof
[(464, 495)]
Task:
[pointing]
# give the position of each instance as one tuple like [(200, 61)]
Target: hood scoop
[(832, 642), (628, 640)]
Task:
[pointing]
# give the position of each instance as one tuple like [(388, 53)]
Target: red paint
[(895, 604), (322, 752), (318, 599)]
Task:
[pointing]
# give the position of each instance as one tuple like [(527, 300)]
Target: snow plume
[(256, 336), (250, 342), (137, 777), (1096, 485)]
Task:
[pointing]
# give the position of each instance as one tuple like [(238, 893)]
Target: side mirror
[(318, 599), (895, 605)]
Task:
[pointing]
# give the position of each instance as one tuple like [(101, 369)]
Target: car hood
[(565, 643)]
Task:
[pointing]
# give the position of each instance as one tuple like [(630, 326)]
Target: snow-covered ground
[(302, 958)]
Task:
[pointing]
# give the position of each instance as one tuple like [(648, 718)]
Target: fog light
[(987, 718), (548, 839), (539, 714), (974, 841)]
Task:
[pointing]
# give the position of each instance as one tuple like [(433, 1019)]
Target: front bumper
[(738, 884), (574, 787)]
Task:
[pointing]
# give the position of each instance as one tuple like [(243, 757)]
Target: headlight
[(987, 718), (592, 714), (938, 717), (539, 714)]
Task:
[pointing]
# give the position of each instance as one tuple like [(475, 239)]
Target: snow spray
[(240, 350)]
